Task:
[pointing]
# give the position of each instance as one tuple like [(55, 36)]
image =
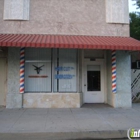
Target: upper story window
[(16, 9), (117, 11)]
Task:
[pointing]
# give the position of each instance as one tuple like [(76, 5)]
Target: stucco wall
[(110, 96), (71, 17), (123, 95), (13, 99)]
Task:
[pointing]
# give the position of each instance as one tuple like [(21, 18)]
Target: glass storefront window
[(38, 70), (50, 70), (65, 70)]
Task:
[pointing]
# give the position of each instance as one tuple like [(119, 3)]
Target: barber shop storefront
[(51, 70), (51, 73), (68, 71)]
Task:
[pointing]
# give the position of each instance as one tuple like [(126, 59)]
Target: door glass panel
[(93, 78)]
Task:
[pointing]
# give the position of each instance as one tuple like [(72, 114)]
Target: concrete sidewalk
[(95, 120)]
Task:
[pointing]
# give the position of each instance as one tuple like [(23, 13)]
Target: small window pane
[(38, 80), (93, 78)]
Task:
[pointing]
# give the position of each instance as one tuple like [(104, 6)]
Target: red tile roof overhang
[(69, 41)]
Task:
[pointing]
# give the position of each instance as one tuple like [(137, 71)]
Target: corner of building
[(14, 98), (122, 98)]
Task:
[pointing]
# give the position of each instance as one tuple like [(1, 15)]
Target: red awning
[(69, 41)]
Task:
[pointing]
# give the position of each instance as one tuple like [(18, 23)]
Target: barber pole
[(114, 89), (22, 65)]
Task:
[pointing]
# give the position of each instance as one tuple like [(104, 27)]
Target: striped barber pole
[(22, 65), (114, 89)]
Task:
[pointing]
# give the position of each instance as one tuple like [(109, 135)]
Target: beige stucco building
[(53, 69)]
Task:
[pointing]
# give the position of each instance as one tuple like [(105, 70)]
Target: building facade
[(64, 75)]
